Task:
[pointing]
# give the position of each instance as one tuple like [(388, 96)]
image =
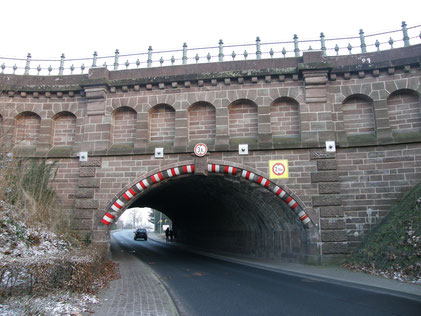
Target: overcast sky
[(48, 28)]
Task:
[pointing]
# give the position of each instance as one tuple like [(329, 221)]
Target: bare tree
[(119, 225), (134, 214)]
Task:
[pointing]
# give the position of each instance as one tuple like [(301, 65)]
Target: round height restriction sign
[(278, 169), (200, 149)]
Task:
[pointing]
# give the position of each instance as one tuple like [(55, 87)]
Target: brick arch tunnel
[(226, 210)]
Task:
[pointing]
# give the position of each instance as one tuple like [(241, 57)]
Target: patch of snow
[(19, 241), (51, 305)]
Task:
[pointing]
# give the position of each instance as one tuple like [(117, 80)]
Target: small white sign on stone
[(243, 149), (159, 152), (83, 156), (330, 146)]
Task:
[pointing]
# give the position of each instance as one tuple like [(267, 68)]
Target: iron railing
[(329, 46)]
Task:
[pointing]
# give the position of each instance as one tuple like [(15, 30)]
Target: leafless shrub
[(28, 204), (26, 184), (80, 273)]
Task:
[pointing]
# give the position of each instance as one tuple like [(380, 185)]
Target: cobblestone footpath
[(138, 291)]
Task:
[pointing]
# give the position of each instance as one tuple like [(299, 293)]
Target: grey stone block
[(332, 223), (87, 203), (334, 235), (83, 214), (89, 183), (378, 86), (87, 172), (329, 188), (321, 154), (84, 193), (92, 162), (324, 176), (326, 165), (335, 248), (327, 200)]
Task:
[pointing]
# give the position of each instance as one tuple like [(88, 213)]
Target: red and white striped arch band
[(140, 186)]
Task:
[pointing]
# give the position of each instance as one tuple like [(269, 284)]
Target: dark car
[(140, 233)]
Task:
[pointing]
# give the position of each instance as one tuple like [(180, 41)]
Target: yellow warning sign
[(278, 169)]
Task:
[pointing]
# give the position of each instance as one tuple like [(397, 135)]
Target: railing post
[(184, 53), (116, 59), (221, 50), (362, 39), (94, 59), (149, 63), (28, 62), (296, 49), (258, 51), (405, 34), (391, 41), (322, 41), (61, 68)]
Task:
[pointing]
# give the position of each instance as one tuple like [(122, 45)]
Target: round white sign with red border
[(200, 149), (278, 169)]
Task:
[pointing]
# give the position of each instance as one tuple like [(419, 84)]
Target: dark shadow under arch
[(229, 209), (125, 199)]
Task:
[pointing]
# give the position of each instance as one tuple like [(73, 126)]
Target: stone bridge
[(305, 154)]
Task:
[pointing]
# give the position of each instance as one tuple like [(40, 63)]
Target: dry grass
[(74, 272), (25, 186)]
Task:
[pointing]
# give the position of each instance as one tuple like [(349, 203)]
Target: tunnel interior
[(227, 214)]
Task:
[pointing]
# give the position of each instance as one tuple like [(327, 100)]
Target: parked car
[(140, 233)]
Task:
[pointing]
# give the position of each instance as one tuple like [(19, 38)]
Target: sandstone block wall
[(282, 108)]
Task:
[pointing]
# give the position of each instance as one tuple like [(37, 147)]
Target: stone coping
[(229, 72)]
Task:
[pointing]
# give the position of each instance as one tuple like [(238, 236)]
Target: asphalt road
[(205, 286)]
